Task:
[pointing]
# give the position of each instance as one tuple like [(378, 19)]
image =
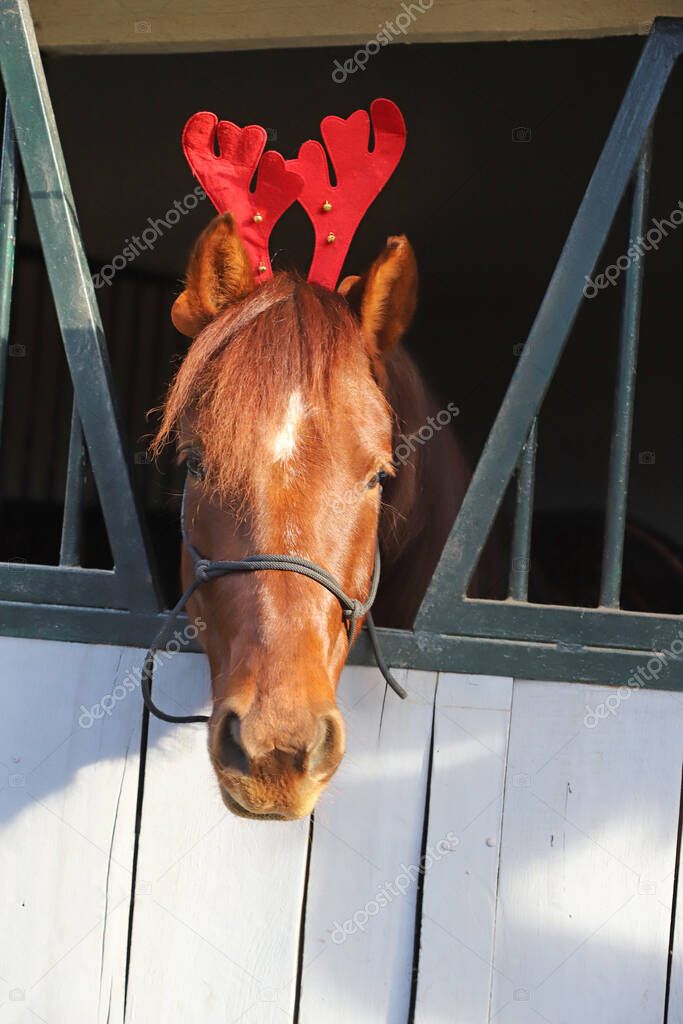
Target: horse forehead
[(285, 437)]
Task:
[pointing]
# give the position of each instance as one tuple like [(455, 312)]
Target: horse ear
[(219, 273), (385, 297)]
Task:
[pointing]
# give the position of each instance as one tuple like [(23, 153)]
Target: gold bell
[(257, 218), (330, 237), (327, 206), (262, 267)]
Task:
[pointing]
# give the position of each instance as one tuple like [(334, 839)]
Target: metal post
[(524, 510), (622, 424), (9, 205)]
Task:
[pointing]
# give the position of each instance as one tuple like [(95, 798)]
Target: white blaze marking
[(284, 442)]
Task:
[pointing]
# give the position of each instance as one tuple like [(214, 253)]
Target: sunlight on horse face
[(278, 412), (276, 641)]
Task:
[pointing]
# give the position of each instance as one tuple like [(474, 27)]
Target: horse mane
[(240, 372)]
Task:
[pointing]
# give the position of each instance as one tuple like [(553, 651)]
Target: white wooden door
[(492, 851)]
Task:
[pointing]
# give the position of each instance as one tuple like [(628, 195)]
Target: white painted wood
[(575, 899), (218, 898), (67, 814), (366, 848), (587, 860), (466, 802)]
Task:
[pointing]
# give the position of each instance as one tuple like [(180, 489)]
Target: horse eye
[(194, 464), (378, 479)]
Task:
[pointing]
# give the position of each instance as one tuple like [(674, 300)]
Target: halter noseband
[(352, 609)]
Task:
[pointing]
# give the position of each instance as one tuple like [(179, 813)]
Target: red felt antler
[(336, 210), (226, 179)]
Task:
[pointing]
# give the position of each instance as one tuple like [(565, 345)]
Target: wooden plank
[(466, 804), (78, 25), (218, 898), (588, 853), (360, 911), (67, 806)]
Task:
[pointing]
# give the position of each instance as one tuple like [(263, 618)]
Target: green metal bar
[(551, 327), (42, 584), (622, 428), (525, 625), (72, 288), (403, 649), (524, 511), (9, 206), (590, 627), (72, 522)]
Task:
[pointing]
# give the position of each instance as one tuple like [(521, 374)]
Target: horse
[(293, 409)]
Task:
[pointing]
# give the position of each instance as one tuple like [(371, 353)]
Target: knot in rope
[(202, 570)]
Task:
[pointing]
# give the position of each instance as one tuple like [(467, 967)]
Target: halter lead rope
[(352, 609)]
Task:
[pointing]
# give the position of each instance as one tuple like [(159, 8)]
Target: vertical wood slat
[(68, 787), (471, 728), (218, 898), (588, 855), (72, 522), (622, 423), (361, 898), (524, 511), (9, 206)]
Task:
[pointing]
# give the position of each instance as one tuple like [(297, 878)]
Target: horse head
[(279, 412)]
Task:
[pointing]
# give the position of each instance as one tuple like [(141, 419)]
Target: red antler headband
[(226, 179), (335, 210)]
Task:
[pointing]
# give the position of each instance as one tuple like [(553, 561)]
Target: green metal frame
[(512, 441), (29, 114), (452, 632)]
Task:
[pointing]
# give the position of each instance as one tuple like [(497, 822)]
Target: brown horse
[(292, 405)]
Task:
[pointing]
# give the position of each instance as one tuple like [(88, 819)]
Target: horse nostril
[(328, 749), (229, 751)]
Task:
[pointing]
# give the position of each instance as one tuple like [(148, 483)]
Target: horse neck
[(420, 502)]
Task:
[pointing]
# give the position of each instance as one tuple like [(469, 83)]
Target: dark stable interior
[(502, 140)]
